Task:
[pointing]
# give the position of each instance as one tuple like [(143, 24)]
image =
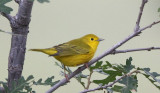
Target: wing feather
[(67, 49)]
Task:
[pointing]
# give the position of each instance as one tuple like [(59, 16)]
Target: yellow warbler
[(75, 52)]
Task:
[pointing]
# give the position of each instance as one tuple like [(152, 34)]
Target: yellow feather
[(74, 52)]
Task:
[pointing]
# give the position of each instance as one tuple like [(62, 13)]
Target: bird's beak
[(100, 39)]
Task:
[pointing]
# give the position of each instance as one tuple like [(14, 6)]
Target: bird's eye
[(92, 39)]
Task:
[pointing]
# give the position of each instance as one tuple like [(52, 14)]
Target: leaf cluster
[(4, 8), (112, 71), (153, 77), (23, 85), (127, 84)]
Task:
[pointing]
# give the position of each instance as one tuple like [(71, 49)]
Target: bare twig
[(140, 15), (111, 84), (133, 50), (5, 32), (9, 17), (94, 60), (89, 79), (12, 33), (149, 26)]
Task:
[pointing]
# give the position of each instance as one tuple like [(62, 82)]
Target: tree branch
[(111, 84), (149, 26), (133, 50), (5, 32), (8, 16), (94, 60), (140, 14), (20, 26), (89, 79)]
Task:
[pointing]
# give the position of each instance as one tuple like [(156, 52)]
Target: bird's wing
[(67, 49)]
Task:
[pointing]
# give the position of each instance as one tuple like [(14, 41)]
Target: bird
[(75, 52)]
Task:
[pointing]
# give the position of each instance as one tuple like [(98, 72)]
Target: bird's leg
[(66, 76), (86, 65)]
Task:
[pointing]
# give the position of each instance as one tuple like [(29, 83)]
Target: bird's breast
[(75, 60)]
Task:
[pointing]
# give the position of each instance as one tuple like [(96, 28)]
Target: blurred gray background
[(63, 20)]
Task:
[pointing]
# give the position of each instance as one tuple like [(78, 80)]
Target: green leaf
[(39, 81), (68, 70), (48, 81), (128, 67), (153, 74), (79, 78), (117, 88), (29, 77), (22, 85), (57, 64), (108, 64), (6, 88), (158, 9), (4, 8), (119, 68), (109, 90), (130, 82), (152, 81), (43, 1), (110, 78), (2, 2), (28, 88), (53, 83), (97, 65)]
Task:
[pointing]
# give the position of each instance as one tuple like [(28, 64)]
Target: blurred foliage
[(43, 1), (25, 85), (158, 9)]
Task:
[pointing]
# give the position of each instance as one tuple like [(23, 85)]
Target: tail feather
[(39, 50), (49, 51)]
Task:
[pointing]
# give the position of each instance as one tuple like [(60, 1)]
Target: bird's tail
[(49, 51)]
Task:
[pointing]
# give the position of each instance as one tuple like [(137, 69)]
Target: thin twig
[(5, 32), (9, 17), (133, 50), (89, 79), (140, 14), (11, 33), (111, 84), (149, 26)]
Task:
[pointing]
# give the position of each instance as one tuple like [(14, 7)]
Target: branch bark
[(8, 16), (111, 84), (140, 14), (89, 79), (110, 51), (133, 50), (19, 25)]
